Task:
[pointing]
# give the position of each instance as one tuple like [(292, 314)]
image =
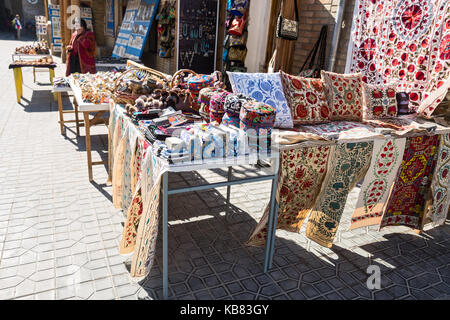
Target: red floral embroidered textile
[(301, 175), (406, 42), (406, 203), (306, 99), (345, 95)]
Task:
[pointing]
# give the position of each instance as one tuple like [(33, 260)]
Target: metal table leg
[(165, 223), (230, 172), (271, 227)]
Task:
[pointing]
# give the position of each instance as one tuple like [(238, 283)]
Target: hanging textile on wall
[(346, 166), (386, 160), (405, 42), (406, 203), (301, 174), (440, 185)]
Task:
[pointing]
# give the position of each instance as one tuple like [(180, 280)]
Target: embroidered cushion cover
[(344, 95), (379, 101), (264, 87), (306, 99)]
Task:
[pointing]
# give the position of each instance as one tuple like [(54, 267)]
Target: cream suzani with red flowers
[(380, 101), (344, 95), (306, 99)]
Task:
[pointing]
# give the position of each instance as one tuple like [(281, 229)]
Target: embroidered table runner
[(406, 204), (347, 164), (441, 183), (386, 159), (301, 174)]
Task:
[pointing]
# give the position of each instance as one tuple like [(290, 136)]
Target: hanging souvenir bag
[(237, 53), (239, 7), (237, 26), (238, 40), (314, 67), (287, 29)]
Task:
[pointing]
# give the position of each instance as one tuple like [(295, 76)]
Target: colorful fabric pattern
[(301, 175), (405, 41), (386, 160), (233, 104), (117, 178), (204, 98), (230, 120), (256, 115), (306, 99), (344, 94), (130, 228), (346, 166), (380, 101), (440, 185), (147, 232), (266, 88), (406, 203)]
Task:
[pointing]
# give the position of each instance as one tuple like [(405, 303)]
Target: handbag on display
[(239, 7), (314, 67), (236, 53), (238, 25), (238, 40), (287, 29)]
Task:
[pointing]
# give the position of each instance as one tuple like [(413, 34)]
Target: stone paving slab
[(60, 234)]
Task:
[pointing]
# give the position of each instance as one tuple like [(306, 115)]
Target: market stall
[(31, 56)]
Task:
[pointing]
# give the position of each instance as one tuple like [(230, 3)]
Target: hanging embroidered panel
[(405, 42), (131, 224), (406, 203), (347, 164), (301, 174), (440, 185), (147, 233), (117, 177), (386, 160)]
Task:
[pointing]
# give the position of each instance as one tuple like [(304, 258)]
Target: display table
[(227, 162), (87, 108), (79, 123), (18, 79)]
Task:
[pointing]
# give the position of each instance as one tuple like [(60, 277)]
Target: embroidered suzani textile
[(406, 42), (406, 204), (301, 175), (440, 185), (386, 160), (347, 164)]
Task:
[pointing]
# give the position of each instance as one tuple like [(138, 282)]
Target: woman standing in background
[(81, 51)]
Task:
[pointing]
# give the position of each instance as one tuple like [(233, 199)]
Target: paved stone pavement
[(59, 234)]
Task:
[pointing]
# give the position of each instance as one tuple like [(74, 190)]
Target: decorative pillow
[(266, 88), (344, 94), (380, 101), (306, 99)]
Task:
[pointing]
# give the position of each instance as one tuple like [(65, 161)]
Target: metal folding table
[(217, 164)]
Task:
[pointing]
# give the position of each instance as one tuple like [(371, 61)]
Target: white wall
[(258, 26)]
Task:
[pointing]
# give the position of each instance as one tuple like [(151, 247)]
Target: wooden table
[(87, 108), (18, 78), (79, 123)]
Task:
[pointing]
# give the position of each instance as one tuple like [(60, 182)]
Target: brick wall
[(312, 15)]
